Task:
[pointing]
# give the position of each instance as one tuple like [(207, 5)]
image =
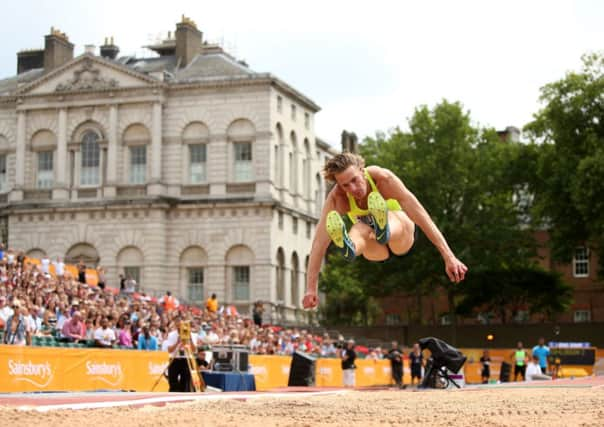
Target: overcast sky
[(368, 64)]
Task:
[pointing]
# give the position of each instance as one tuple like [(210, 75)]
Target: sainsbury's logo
[(109, 373), (157, 368), (37, 374)]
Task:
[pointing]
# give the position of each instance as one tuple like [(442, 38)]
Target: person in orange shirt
[(212, 304), (169, 302)]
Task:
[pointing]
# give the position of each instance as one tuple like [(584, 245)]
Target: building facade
[(188, 170)]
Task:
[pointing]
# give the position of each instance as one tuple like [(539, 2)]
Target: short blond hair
[(339, 163)]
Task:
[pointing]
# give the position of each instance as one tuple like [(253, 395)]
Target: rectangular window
[(280, 220), (581, 262), (307, 120), (197, 155), (195, 285), (522, 316), (45, 172), (393, 319), (135, 273), (243, 162), (295, 225), (279, 104), (138, 164), (581, 316), (3, 174), (308, 229), (241, 283), (293, 112)]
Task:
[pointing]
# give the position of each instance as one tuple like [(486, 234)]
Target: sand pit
[(479, 407)]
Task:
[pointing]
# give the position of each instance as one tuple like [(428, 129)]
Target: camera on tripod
[(443, 359)]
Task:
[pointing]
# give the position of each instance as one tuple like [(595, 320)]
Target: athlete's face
[(353, 182)]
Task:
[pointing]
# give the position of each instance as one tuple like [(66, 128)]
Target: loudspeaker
[(302, 370), (504, 372), (230, 358)]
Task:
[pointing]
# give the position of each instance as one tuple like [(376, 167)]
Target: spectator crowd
[(61, 309)]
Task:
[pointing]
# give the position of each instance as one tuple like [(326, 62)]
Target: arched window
[(241, 134), (130, 260), (192, 263), (279, 157), (318, 194), (293, 165), (90, 159), (137, 138), (43, 144), (239, 261), (195, 138), (280, 275), (4, 150), (294, 280), (306, 170), (83, 251)]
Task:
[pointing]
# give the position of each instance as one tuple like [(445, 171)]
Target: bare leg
[(365, 244), (401, 232)]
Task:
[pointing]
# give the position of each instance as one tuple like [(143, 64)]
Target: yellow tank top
[(355, 212)]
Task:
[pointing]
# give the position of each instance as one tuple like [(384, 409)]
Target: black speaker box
[(302, 370), (504, 372)]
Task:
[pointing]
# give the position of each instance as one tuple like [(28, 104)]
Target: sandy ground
[(479, 407)]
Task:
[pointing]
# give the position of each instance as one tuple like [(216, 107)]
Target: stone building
[(187, 170)]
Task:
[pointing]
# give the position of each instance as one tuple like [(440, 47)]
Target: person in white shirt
[(104, 336), (179, 376), (533, 371), (5, 310), (45, 264), (59, 267)]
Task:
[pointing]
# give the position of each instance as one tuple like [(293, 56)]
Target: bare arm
[(392, 187), (318, 249)]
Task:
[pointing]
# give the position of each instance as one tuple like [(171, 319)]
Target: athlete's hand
[(456, 270), (311, 300)]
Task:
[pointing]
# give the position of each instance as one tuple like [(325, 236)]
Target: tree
[(465, 178), (505, 292), (569, 184)]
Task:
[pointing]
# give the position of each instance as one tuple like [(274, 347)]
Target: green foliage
[(569, 181), (475, 188), (499, 291)]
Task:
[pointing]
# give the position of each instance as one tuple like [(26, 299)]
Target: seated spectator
[(202, 363), (146, 341), (16, 330), (73, 329), (124, 335), (104, 336), (533, 371)]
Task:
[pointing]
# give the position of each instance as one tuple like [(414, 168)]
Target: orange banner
[(270, 371), (61, 369)]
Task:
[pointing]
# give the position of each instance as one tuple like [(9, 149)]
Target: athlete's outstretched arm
[(318, 249), (392, 187)]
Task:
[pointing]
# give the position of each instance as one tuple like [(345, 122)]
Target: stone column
[(112, 146), (17, 192), (155, 187), (60, 192)]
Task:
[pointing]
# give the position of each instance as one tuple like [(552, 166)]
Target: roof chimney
[(109, 50), (188, 41), (29, 60), (57, 50), (350, 142)]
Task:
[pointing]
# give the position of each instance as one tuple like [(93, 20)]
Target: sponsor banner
[(62, 369), (328, 373), (270, 371)]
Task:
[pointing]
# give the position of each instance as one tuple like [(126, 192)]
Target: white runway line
[(168, 399)]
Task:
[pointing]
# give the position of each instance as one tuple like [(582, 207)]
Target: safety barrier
[(79, 369)]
